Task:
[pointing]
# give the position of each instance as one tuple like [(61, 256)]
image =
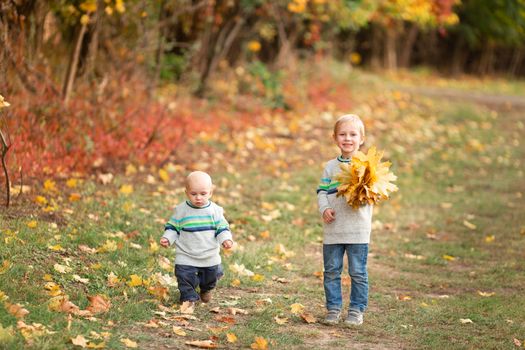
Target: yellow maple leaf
[(50, 186), (126, 189), (72, 183), (231, 338), (296, 308), (365, 180), (135, 281), (164, 176), (40, 200), (259, 344), (258, 278)]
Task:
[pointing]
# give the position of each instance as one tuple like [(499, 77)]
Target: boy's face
[(198, 192), (348, 138)]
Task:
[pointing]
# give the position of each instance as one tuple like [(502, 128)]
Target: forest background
[(100, 80)]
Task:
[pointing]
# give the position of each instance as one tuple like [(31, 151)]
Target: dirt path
[(504, 102)]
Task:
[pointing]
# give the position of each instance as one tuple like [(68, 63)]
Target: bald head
[(198, 179)]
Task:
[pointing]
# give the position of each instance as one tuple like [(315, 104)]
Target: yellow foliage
[(3, 103), (254, 46), (135, 281), (365, 179)]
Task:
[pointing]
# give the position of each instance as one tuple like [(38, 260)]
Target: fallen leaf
[(449, 257), (257, 278), (490, 238), (469, 225), (203, 344), (32, 224), (280, 320), (308, 317), (129, 343), (79, 340), (465, 320), (62, 268), (486, 294), (16, 310), (80, 279), (135, 281), (234, 311), (179, 331), (297, 308), (517, 342), (225, 319), (259, 344), (6, 334), (187, 307), (231, 338), (126, 189), (98, 304)]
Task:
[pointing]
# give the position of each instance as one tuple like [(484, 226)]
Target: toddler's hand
[(227, 244), (329, 215), (164, 242)]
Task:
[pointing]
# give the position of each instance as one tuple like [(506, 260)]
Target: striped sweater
[(197, 233), (351, 226)]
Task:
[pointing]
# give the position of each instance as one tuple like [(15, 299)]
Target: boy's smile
[(348, 138)]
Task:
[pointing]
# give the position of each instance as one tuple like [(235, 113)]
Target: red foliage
[(49, 138)]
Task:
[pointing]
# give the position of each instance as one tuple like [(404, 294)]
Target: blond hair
[(352, 118)]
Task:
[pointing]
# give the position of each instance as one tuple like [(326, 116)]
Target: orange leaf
[(308, 317), (259, 344), (98, 304)]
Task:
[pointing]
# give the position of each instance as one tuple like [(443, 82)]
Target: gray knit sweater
[(197, 233), (350, 225)]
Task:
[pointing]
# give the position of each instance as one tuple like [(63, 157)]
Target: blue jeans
[(191, 277), (357, 255)]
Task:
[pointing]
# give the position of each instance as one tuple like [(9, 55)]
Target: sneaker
[(206, 296), (354, 318), (332, 317)]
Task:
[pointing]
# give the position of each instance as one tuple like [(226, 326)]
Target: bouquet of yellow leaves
[(365, 179)]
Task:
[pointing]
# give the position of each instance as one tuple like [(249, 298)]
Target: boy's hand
[(227, 244), (164, 242), (329, 215)]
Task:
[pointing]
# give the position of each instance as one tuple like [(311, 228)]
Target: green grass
[(456, 163)]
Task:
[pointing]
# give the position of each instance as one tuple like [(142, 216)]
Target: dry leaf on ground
[(203, 344)]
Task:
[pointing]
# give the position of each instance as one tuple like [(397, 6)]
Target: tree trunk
[(515, 63), (216, 44), (91, 57), (459, 57), (159, 52), (375, 48), (486, 60), (408, 46), (73, 65), (390, 52)]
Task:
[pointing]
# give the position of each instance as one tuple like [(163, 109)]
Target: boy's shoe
[(206, 296), (354, 318), (332, 317)]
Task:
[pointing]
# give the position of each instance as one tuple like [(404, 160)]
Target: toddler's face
[(348, 138), (198, 193)]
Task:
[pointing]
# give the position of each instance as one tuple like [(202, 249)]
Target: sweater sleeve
[(172, 229), (322, 191), (222, 232)]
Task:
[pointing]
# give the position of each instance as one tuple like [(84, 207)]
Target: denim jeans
[(357, 255), (191, 277)]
